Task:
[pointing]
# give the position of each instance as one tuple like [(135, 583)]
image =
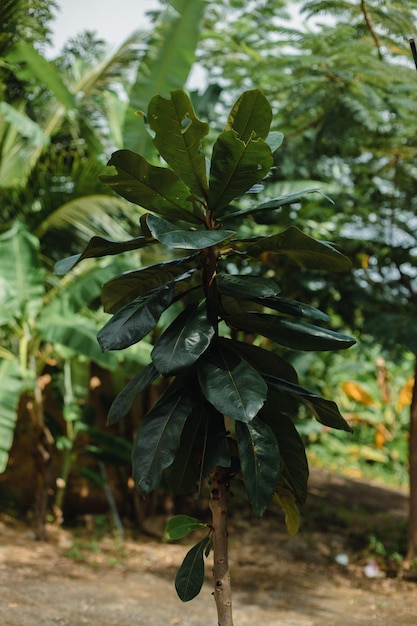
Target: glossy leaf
[(174, 236), (250, 114), (184, 341), (260, 462), (216, 448), (156, 189), (269, 205), (98, 247), (325, 411), (135, 320), (235, 167), (124, 400), (190, 576), (124, 288), (292, 307), (183, 476), (181, 525), (230, 384), (292, 334), (158, 438), (247, 286), (302, 250), (293, 456), (178, 137), (264, 361)]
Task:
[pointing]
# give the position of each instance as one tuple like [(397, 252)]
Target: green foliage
[(214, 373)]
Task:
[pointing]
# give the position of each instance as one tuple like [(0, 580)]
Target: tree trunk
[(412, 516), (219, 498)]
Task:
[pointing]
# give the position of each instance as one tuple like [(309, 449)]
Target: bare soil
[(76, 579)]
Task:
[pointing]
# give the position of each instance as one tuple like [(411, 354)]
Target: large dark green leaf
[(98, 247), (178, 137), (190, 576), (156, 189), (247, 286), (292, 307), (176, 237), (251, 113), (124, 288), (11, 387), (302, 250), (294, 464), (262, 360), (269, 205), (159, 436), (232, 386), (260, 463), (293, 334), (125, 399), (183, 476), (184, 341), (325, 411), (235, 167), (135, 320)]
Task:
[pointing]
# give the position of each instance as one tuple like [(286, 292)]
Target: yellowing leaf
[(357, 392), (405, 395), (286, 500)]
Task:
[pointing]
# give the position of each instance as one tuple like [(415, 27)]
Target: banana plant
[(40, 323), (221, 324)]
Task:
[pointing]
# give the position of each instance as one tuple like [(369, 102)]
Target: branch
[(372, 30)]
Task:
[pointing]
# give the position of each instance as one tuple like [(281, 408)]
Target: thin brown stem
[(219, 499), (372, 30)]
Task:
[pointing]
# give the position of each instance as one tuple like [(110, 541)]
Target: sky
[(113, 20)]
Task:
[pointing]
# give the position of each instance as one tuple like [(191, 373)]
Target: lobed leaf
[(230, 384), (156, 189), (260, 463), (178, 137)]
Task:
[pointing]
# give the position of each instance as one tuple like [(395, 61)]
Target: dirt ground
[(75, 579)]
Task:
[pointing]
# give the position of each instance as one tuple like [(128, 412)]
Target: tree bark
[(412, 515), (219, 498)]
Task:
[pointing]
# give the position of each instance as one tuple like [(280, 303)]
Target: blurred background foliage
[(342, 84)]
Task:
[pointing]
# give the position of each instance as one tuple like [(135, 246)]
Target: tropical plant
[(227, 409), (353, 130)]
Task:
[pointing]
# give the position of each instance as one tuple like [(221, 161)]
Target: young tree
[(227, 408)]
